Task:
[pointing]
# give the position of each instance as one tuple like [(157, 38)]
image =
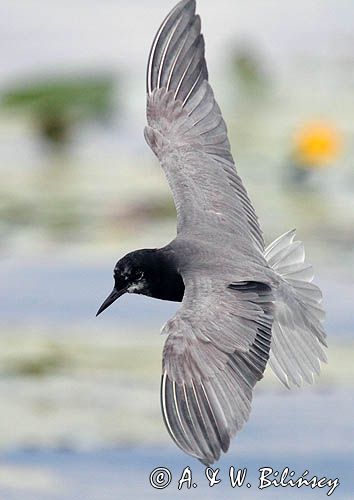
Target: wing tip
[(193, 438), (186, 9), (183, 4)]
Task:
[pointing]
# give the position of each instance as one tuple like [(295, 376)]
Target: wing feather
[(188, 134), (210, 366)]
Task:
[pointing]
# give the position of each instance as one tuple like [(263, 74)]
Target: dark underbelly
[(171, 288)]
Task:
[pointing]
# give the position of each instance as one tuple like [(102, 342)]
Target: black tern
[(243, 305)]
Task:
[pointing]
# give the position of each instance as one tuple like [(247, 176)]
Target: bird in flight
[(243, 305)]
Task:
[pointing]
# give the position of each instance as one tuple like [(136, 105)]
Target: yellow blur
[(317, 144)]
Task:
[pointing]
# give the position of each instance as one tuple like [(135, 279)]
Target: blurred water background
[(80, 414)]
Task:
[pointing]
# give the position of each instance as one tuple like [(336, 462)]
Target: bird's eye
[(140, 274)]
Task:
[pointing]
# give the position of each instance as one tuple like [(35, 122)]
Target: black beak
[(111, 298)]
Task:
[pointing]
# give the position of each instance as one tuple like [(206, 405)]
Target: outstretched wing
[(188, 134), (217, 349)]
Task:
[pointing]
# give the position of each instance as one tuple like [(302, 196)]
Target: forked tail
[(298, 336)]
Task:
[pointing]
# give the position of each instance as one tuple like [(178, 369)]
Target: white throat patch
[(136, 287)]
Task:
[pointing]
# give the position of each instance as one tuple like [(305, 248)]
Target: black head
[(130, 275)]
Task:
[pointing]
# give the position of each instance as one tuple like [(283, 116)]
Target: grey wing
[(217, 349), (188, 134)]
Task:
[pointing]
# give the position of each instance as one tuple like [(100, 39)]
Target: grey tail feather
[(298, 337)]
